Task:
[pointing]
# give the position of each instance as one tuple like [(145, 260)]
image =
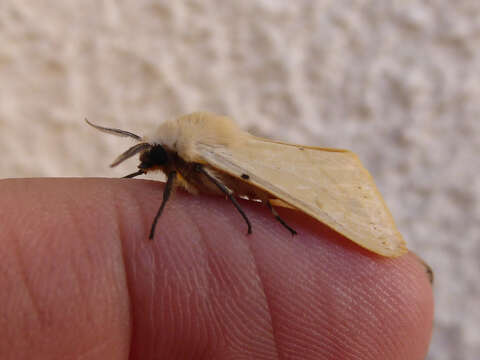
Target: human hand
[(79, 279)]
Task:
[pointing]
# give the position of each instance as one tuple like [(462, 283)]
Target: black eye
[(155, 156)]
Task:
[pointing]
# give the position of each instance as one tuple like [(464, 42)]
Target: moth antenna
[(117, 132), (131, 152)]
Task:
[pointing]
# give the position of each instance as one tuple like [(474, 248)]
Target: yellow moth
[(206, 153)]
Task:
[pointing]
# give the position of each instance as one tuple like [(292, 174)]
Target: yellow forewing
[(330, 185)]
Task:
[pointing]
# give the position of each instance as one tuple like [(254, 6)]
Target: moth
[(207, 153)]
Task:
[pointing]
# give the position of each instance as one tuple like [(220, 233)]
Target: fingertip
[(372, 304)]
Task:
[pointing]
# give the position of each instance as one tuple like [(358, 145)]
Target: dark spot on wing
[(245, 177)]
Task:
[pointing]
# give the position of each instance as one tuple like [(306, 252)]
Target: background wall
[(395, 81)]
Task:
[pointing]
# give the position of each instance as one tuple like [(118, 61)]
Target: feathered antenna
[(130, 152), (112, 131)]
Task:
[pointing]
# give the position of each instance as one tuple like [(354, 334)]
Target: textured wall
[(398, 82)]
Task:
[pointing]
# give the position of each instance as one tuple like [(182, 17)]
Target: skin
[(79, 279)]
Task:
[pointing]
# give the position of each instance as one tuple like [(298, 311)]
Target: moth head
[(151, 155)]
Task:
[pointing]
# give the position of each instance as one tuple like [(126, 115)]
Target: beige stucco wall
[(398, 82)]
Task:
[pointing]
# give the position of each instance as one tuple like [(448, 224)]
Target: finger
[(203, 288)]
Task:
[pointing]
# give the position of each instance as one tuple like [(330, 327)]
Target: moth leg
[(227, 192), (166, 195), (277, 216), (132, 175)]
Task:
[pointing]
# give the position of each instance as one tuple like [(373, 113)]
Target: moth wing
[(280, 203), (330, 185)]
